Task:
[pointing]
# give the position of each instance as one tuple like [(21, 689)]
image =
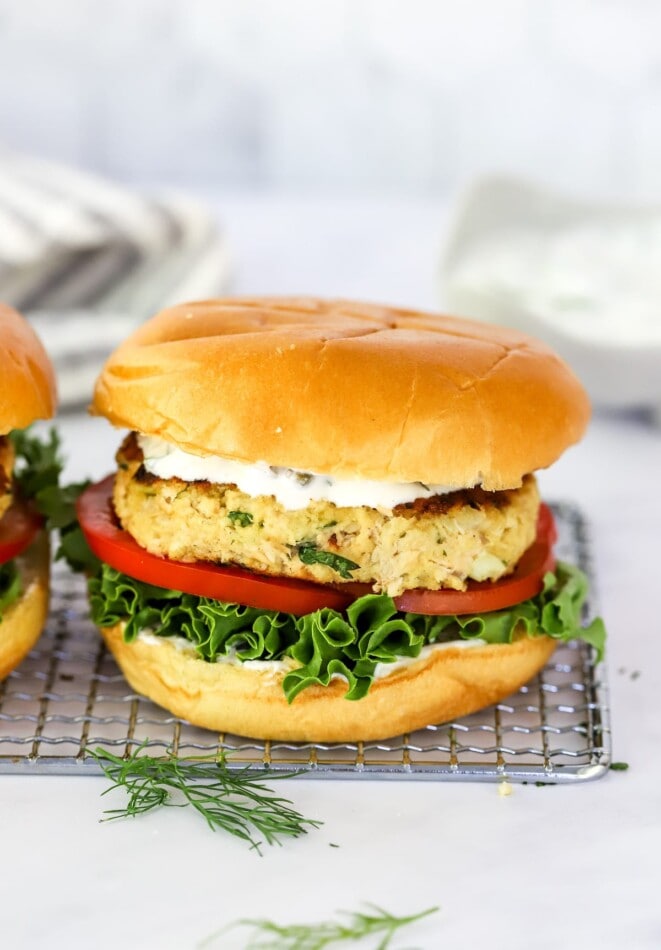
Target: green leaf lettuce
[(36, 476), (327, 643), (10, 585)]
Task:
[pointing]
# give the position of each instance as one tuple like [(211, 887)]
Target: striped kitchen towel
[(87, 260)]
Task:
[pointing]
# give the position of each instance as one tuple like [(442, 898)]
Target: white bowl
[(585, 277)]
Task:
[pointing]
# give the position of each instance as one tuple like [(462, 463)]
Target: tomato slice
[(19, 526), (117, 548)]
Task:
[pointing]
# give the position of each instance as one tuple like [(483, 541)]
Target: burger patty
[(432, 543), (6, 469)]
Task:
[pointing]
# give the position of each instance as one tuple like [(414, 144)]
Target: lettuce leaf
[(10, 585), (38, 466), (327, 643), (36, 474)]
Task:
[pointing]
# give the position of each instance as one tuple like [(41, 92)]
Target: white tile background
[(407, 96)]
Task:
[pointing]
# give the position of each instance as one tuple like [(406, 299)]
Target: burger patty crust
[(431, 543), (6, 469)]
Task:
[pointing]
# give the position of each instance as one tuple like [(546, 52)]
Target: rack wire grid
[(68, 697)]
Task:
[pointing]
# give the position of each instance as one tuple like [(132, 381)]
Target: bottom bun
[(23, 621), (446, 683)]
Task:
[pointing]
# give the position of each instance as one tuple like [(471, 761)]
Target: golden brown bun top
[(346, 389), (27, 383)]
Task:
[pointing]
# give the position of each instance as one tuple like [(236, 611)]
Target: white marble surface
[(554, 867)]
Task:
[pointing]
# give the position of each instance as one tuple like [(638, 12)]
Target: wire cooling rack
[(68, 697)]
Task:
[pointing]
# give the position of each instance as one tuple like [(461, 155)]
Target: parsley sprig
[(243, 518), (38, 467), (37, 472), (309, 553), (232, 800)]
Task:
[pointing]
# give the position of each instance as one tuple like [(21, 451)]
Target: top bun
[(346, 389), (28, 383)]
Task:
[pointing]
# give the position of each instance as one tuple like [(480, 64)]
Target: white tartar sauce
[(280, 667), (293, 489)]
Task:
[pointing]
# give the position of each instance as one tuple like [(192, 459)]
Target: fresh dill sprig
[(234, 800), (357, 925)]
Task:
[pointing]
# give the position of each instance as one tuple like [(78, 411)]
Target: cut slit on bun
[(443, 685), (348, 390)]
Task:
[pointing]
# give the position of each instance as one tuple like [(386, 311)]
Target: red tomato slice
[(117, 548), (18, 528)]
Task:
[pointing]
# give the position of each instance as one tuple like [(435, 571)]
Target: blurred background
[(344, 147), (410, 97)]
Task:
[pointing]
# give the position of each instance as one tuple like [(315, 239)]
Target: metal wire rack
[(68, 697)]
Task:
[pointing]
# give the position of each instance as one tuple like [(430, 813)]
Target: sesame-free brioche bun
[(28, 383), (346, 389), (27, 393), (447, 683), (23, 621)]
